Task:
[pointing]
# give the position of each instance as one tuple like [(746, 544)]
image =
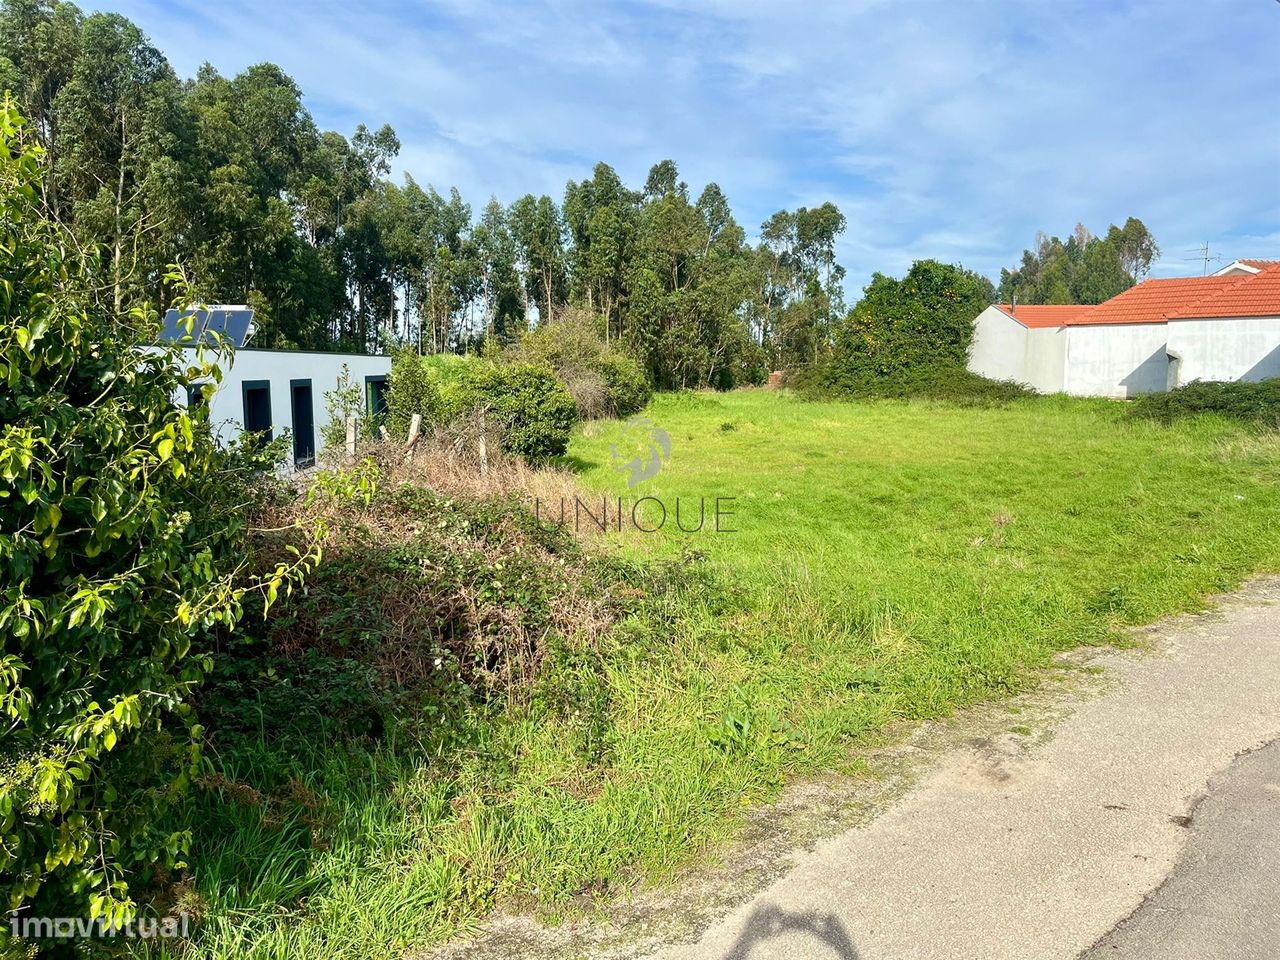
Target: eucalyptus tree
[(39, 47), (539, 232), (497, 254), (601, 216), (1083, 269), (125, 152)]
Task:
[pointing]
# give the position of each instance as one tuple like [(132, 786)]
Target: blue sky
[(953, 129)]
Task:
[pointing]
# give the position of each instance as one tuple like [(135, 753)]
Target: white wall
[(279, 367), (1235, 348), (1117, 360), (1003, 349)]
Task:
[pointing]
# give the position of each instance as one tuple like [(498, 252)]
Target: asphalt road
[(1142, 828), (1222, 901)]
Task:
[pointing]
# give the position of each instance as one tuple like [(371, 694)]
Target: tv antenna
[(1204, 256)]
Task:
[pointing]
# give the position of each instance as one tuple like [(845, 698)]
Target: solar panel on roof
[(234, 323)]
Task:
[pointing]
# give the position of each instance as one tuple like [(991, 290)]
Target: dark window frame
[(196, 400), (293, 422), (247, 385), (374, 414), (376, 417)]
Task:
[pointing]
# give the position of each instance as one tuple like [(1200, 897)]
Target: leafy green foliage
[(122, 527), (923, 321), (1257, 403), (412, 390), (604, 381), (1084, 269), (533, 409), (346, 401), (626, 386)]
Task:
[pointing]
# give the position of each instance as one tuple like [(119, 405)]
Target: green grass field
[(891, 561)]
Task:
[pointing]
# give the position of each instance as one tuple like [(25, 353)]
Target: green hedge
[(945, 383), (1257, 403)]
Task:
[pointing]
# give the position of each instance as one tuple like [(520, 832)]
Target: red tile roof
[(1153, 300), (1042, 315), (1257, 295), (1156, 301)]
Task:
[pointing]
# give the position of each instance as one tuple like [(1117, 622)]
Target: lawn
[(889, 561), (905, 558)]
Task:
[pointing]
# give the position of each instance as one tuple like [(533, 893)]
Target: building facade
[(1156, 336)]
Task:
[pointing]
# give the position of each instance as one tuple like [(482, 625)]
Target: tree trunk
[(117, 253)]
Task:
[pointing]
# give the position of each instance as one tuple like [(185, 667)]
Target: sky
[(952, 129)]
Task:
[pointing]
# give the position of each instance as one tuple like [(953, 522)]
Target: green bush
[(411, 389), (626, 384), (122, 542), (604, 380), (912, 333), (533, 409), (458, 380), (944, 382), (1257, 402)]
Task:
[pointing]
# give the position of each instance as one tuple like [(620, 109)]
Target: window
[(304, 427), (375, 401), (257, 408), (197, 402)]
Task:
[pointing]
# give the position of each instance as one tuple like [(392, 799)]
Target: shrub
[(532, 408), (626, 385), (944, 382), (604, 381), (411, 390), (345, 401), (923, 322), (122, 531), (457, 379), (1257, 403)]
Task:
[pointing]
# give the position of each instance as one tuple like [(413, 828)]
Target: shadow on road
[(768, 923)]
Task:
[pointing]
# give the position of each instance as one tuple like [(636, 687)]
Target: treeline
[(1084, 269), (232, 179)]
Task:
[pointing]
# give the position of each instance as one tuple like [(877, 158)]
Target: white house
[(273, 391), (1156, 336)]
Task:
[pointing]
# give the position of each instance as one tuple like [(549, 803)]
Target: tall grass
[(891, 561)]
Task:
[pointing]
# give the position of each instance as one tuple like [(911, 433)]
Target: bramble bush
[(1256, 403), (122, 532)]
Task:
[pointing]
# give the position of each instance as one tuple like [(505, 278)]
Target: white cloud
[(954, 130)]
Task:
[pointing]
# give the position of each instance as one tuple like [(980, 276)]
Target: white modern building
[(276, 391), (1158, 335)]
